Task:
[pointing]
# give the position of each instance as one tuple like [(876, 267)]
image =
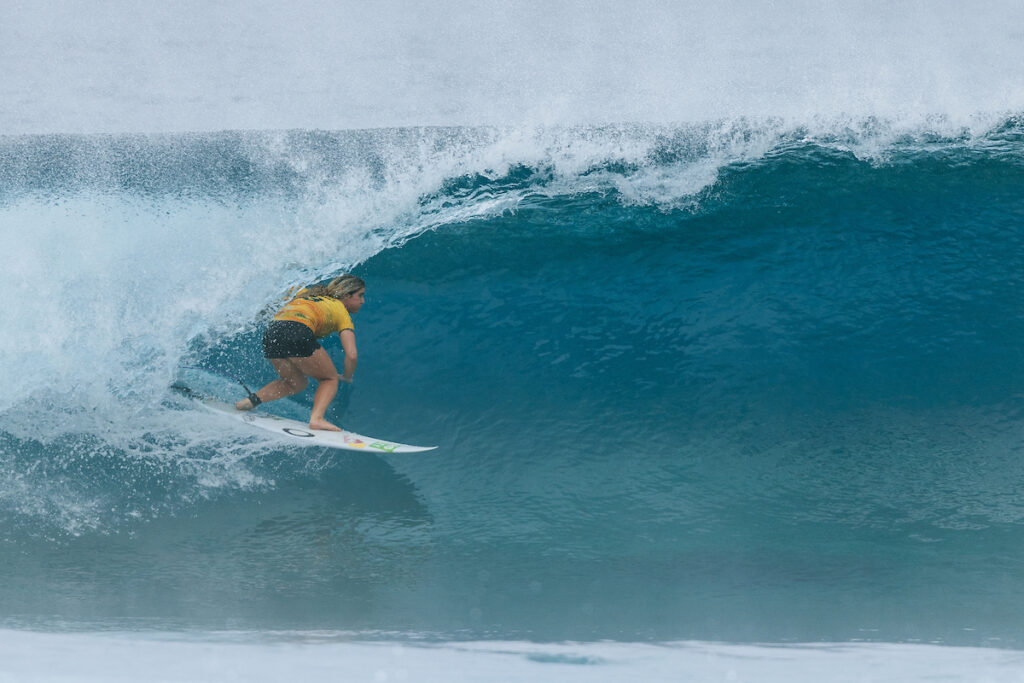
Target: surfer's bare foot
[(323, 425), (244, 404)]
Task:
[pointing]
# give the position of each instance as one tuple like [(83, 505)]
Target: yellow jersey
[(322, 314)]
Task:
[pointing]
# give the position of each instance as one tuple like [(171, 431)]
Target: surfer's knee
[(296, 384)]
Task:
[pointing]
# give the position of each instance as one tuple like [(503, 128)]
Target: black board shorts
[(288, 339)]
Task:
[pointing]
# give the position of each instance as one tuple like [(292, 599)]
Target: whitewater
[(714, 313)]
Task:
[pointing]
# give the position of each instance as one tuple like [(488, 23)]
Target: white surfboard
[(299, 432)]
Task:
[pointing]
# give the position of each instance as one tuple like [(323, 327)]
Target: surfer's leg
[(320, 367), (292, 381)]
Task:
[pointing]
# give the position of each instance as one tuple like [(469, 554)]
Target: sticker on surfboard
[(300, 433)]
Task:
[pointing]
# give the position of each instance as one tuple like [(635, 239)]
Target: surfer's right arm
[(348, 343)]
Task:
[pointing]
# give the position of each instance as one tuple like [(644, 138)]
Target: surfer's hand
[(343, 378)]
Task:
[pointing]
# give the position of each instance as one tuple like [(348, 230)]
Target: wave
[(746, 358), (139, 254)]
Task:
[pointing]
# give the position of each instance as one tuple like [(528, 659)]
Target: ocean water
[(724, 365)]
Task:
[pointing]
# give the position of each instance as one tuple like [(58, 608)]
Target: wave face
[(741, 380)]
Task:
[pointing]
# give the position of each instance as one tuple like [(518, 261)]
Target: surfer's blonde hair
[(338, 288)]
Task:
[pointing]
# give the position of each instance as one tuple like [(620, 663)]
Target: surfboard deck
[(299, 433)]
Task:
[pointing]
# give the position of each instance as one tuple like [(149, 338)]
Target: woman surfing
[(290, 344)]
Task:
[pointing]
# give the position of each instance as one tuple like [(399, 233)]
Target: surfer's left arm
[(348, 343)]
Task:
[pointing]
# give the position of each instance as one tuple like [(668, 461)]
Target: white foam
[(28, 657)]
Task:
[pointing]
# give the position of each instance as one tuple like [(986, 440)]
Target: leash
[(251, 395)]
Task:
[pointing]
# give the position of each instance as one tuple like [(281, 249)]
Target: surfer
[(290, 344)]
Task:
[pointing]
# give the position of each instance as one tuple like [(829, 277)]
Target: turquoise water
[(782, 404)]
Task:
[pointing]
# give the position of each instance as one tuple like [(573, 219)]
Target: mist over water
[(191, 66), (714, 313)]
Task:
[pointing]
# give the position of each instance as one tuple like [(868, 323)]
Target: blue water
[(737, 381)]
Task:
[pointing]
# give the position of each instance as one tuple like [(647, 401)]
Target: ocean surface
[(735, 391)]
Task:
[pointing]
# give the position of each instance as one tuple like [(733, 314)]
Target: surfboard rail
[(298, 433)]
